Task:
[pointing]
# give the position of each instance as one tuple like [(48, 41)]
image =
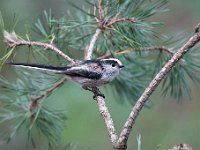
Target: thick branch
[(36, 99), (153, 85), (12, 40), (107, 119)]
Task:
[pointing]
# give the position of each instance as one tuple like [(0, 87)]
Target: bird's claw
[(98, 94)]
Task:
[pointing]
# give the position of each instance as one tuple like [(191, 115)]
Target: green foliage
[(15, 113), (178, 80)]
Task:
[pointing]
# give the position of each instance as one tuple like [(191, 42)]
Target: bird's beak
[(121, 66)]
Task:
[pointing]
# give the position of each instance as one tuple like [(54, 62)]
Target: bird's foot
[(96, 92)]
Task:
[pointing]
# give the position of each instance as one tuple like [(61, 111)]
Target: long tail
[(41, 67)]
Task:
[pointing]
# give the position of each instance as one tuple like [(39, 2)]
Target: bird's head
[(111, 67)]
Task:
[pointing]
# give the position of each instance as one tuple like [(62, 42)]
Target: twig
[(152, 86), (107, 119), (197, 28), (100, 11), (35, 99), (161, 49), (119, 52), (116, 20), (89, 50), (12, 40)]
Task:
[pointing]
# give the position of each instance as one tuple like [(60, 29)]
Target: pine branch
[(100, 13), (13, 41), (100, 100), (89, 50), (35, 100), (117, 20), (120, 52), (153, 85), (102, 25), (107, 119)]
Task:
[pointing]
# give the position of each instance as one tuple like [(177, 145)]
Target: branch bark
[(100, 10), (89, 50), (153, 85), (107, 119)]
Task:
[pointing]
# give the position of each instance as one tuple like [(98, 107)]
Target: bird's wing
[(82, 71), (76, 70)]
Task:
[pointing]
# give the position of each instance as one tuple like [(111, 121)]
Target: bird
[(90, 74)]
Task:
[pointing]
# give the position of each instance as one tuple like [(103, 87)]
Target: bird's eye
[(113, 65)]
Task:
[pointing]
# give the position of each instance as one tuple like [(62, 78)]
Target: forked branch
[(102, 25)]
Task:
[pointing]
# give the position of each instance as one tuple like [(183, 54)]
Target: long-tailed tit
[(89, 74)]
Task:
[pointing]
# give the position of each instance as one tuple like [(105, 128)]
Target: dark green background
[(165, 124)]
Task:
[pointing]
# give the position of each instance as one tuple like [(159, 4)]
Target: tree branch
[(153, 85), (119, 52), (103, 25), (100, 10), (89, 50), (12, 40), (107, 119), (116, 20), (36, 99)]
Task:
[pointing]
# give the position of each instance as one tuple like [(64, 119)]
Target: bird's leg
[(95, 90)]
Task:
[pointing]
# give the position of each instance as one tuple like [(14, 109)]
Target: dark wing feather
[(75, 70), (80, 72)]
